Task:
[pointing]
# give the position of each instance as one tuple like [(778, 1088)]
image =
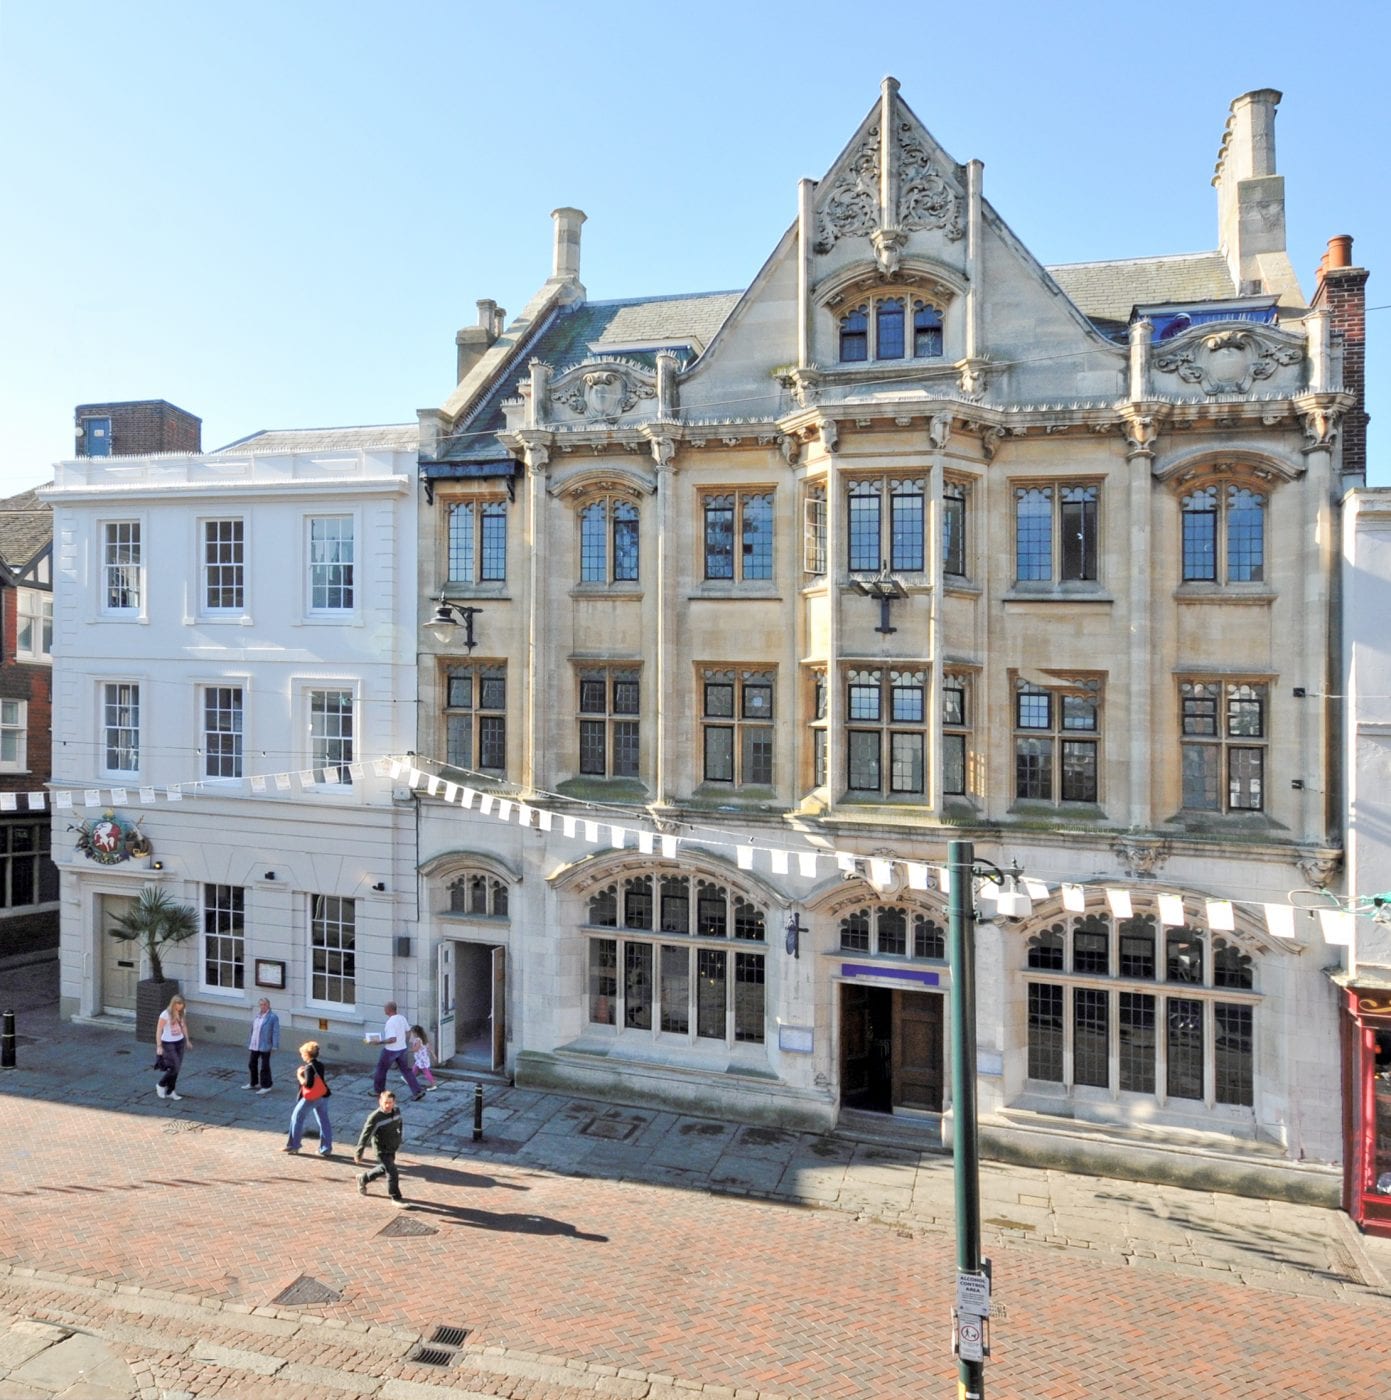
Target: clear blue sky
[(278, 214)]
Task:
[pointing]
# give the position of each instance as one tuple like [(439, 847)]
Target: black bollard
[(478, 1113), (7, 1041)]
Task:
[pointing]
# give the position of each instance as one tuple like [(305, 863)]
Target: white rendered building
[(234, 645)]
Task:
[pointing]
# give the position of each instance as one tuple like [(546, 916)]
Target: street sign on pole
[(973, 1293), (970, 1338)]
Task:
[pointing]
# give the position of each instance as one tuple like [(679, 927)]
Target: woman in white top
[(171, 1040)]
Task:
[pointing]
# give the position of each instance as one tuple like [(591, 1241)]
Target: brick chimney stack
[(1342, 288)]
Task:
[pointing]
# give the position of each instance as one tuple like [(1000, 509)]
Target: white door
[(120, 959), (444, 1033)]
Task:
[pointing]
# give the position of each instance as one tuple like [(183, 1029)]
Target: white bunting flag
[(63, 801), (147, 795), (1279, 920), (1337, 926), (524, 814), (618, 836), (1219, 916), (258, 783), (806, 864), (1171, 911), (591, 832), (1035, 889), (91, 797), (645, 842), (917, 874), (1074, 899), (543, 819), (8, 802), (306, 778), (282, 782), (845, 862), (568, 825), (174, 792), (37, 800), (414, 777), (451, 791), (743, 857), (357, 770), (504, 809), (777, 859), (668, 847), (881, 873), (119, 797), (1119, 902), (332, 776), (433, 786), (486, 802), (944, 878), (394, 768), (466, 797)]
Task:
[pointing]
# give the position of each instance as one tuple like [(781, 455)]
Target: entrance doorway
[(890, 1049), (472, 1004), (120, 961)]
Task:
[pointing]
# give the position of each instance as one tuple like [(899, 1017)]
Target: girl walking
[(171, 1040), (313, 1097), (420, 1048)]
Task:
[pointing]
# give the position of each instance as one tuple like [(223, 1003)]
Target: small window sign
[(799, 1040), (270, 974)]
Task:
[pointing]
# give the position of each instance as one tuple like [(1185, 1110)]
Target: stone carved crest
[(1320, 867), (851, 206), (603, 393), (925, 199), (1227, 360), (1140, 856)]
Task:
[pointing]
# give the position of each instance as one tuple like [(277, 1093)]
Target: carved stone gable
[(851, 206), (925, 198), (1227, 359), (603, 391)]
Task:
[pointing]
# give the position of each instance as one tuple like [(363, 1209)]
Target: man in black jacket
[(384, 1129)]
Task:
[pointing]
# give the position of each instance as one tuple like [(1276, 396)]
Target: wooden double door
[(891, 1048)]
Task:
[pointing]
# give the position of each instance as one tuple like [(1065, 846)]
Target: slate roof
[(580, 332), (389, 437), (1108, 291), (26, 525)]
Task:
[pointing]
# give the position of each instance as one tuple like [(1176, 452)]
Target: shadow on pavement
[(507, 1222)]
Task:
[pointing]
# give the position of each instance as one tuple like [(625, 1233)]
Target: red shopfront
[(1366, 1037)]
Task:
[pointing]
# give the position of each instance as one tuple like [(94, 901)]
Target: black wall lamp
[(447, 616), (794, 930)]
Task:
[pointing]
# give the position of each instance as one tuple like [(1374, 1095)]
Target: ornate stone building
[(750, 601)]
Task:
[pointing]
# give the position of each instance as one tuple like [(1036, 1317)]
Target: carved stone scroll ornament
[(851, 205), (1141, 857), (605, 394), (939, 431), (1226, 361), (1320, 868), (1321, 427), (925, 199)]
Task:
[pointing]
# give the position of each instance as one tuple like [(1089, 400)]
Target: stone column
[(1141, 333), (806, 239), (975, 172), (666, 662), (534, 776), (835, 703), (1140, 436)]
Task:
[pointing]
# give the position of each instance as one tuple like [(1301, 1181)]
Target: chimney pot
[(566, 264), (486, 308), (1339, 252)]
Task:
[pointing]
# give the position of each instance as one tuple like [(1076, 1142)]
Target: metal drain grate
[(613, 1127), (307, 1290), (442, 1349), (407, 1225)]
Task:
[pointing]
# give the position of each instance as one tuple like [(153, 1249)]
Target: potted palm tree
[(155, 921)]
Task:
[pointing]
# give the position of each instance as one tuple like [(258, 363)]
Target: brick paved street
[(584, 1251)]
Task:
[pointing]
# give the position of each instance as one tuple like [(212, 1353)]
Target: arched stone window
[(670, 971), (883, 931), (478, 894)]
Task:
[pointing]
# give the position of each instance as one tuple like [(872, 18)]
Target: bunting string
[(613, 828)]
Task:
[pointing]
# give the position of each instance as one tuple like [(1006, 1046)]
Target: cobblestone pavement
[(160, 1249)]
